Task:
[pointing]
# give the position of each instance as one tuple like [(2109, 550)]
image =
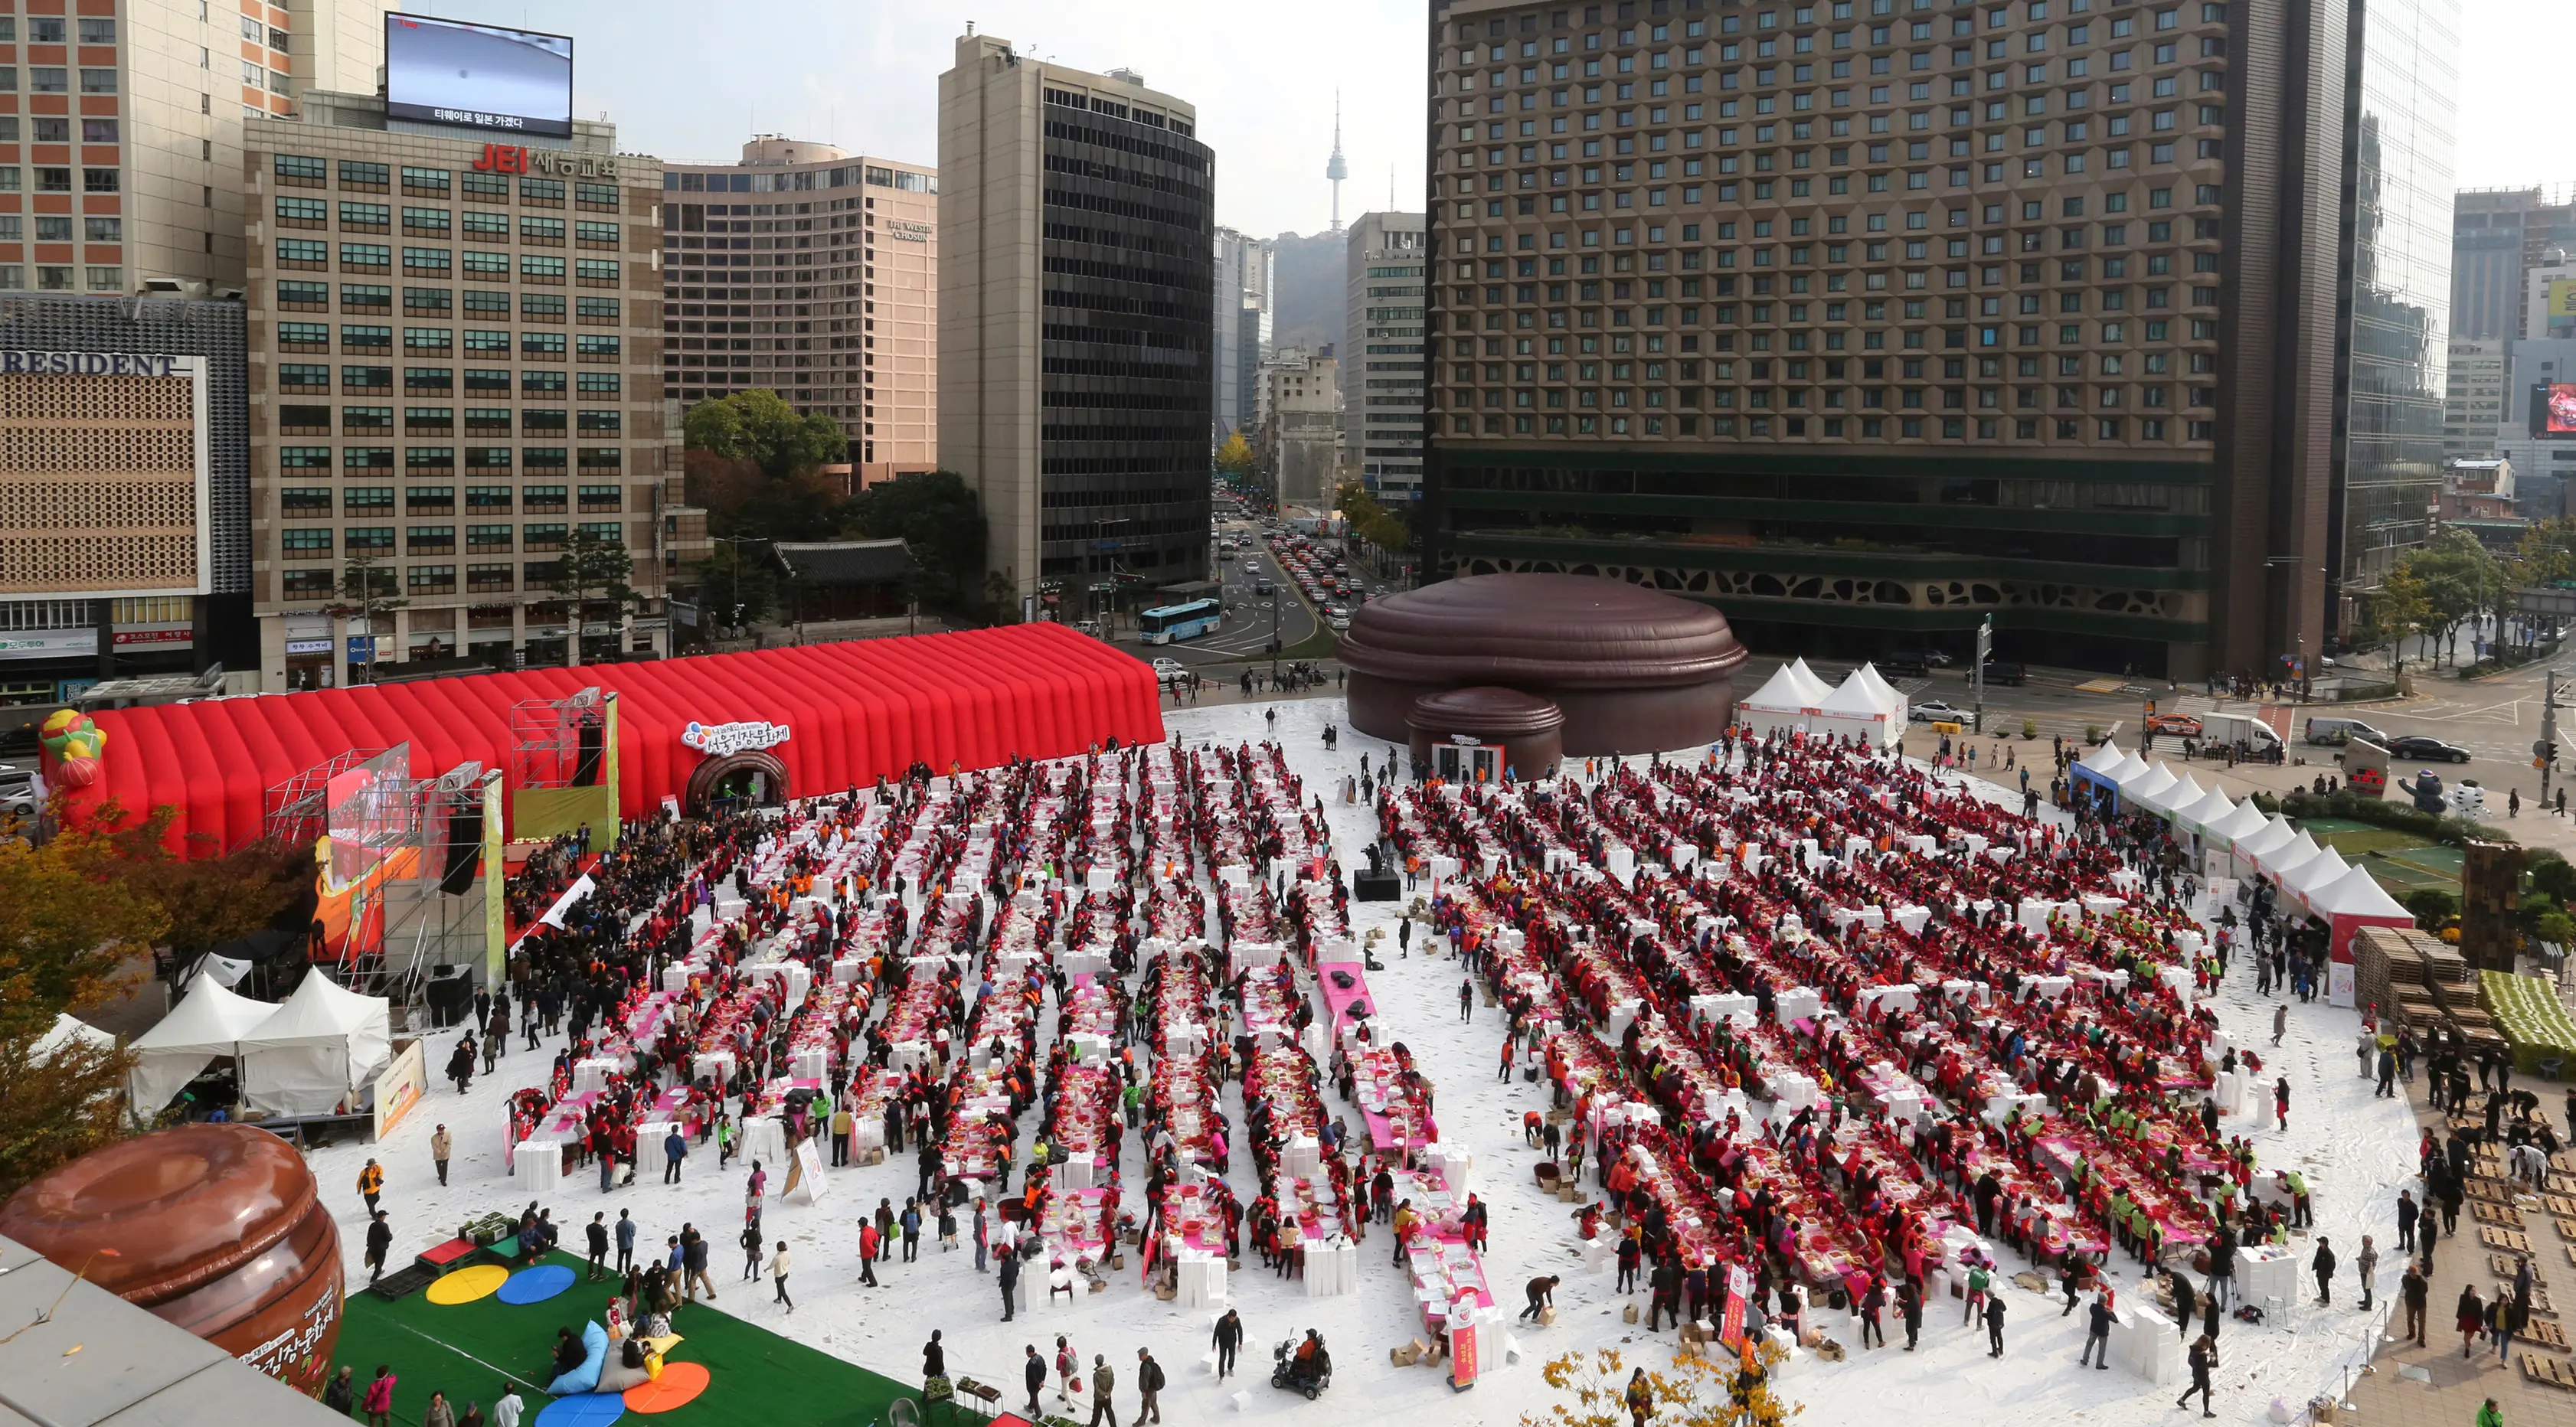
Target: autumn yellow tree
[(1592, 1391), (1234, 457)]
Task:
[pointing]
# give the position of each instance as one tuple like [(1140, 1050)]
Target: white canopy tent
[(209, 1021), (2242, 821), (1784, 702), (2249, 849), (1857, 710), (2184, 803), (2288, 858), (321, 1047), (1887, 692), (2315, 874), (69, 1029), (2152, 789)]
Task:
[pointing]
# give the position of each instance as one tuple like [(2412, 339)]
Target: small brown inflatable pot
[(219, 1229)]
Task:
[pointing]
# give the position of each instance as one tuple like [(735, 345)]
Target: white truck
[(2249, 735)]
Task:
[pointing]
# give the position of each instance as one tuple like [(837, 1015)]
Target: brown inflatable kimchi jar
[(219, 1229)]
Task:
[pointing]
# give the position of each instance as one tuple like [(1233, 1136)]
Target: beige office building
[(121, 129), (455, 363), (1075, 325), (814, 273)]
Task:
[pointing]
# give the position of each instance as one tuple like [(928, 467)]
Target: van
[(2342, 730), (2005, 671), (1903, 666)]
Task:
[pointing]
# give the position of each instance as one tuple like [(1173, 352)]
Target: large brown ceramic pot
[(219, 1229), (1634, 669)]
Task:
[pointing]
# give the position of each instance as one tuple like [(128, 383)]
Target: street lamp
[(734, 540), (2296, 566)]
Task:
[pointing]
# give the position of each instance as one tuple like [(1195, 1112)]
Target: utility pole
[(2544, 754), (1977, 674)]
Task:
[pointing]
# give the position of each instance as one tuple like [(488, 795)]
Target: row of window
[(317, 459), (49, 129), (310, 584), (315, 377), (56, 79), (307, 171), (1831, 398), (314, 502), (63, 277), (359, 337), (295, 212), (52, 179), (312, 253), (300, 543), (48, 30), (302, 294), (438, 420), (2104, 429), (1998, 17)]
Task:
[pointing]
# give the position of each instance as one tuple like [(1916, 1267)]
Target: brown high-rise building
[(814, 273), (1869, 320)]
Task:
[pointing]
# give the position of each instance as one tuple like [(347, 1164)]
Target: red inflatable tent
[(853, 710)]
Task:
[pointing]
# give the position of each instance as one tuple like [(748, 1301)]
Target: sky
[(689, 82)]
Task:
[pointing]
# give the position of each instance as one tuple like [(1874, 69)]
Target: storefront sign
[(718, 740), (86, 364), (155, 636), (907, 232), (515, 158), (308, 646), (1466, 740), (44, 643)]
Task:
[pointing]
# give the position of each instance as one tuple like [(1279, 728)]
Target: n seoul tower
[(1336, 169)]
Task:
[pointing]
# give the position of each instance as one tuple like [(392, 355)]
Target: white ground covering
[(2356, 1151)]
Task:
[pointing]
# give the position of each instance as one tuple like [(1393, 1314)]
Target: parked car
[(2179, 725), (17, 791), (1170, 671), (2001, 671), (1935, 711), (2414, 747), (1903, 666)]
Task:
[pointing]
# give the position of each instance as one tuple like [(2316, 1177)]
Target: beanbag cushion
[(585, 1378), (617, 1377)]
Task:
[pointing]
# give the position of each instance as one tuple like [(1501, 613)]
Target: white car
[(1168, 671), (1338, 617), (1935, 711)]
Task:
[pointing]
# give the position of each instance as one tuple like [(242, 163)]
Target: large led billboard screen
[(478, 76)]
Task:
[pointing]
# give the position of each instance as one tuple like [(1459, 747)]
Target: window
[(486, 186), (304, 336), (590, 309), (428, 341), (98, 32), (48, 79), (425, 260), (101, 180), (542, 190), (377, 216), (428, 181), (479, 340), (365, 337), (598, 384), (303, 543), (303, 295), (304, 502), (299, 169), (535, 267), (597, 348), (491, 265), (377, 256), (595, 234), (426, 220), (599, 271), (432, 579), (357, 173), (98, 81), (366, 378), (490, 537), (542, 344), (596, 498), (303, 212), (303, 377), (540, 230), (487, 225), (366, 297)]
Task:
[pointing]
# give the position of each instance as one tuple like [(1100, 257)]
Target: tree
[(68, 928), (761, 428), (738, 585), (367, 590), (2397, 611), (1234, 457), (1371, 521), (592, 563), (2458, 573), (207, 897), (1694, 1392), (940, 520)]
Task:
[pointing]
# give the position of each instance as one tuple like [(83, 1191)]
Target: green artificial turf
[(755, 1377)]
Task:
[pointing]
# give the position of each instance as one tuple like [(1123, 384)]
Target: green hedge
[(2383, 812)]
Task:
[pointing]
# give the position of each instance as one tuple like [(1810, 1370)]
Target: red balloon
[(78, 772)]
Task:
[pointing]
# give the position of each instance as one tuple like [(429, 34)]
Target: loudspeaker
[(464, 849), (451, 999), (1383, 886), (585, 768)]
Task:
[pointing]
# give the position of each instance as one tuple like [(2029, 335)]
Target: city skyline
[(1270, 153)]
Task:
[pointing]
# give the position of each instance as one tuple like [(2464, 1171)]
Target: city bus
[(1179, 621)]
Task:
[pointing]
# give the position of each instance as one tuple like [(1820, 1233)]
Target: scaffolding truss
[(550, 739), (297, 811)]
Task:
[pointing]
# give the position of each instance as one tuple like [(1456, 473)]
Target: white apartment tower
[(121, 129), (1382, 356)]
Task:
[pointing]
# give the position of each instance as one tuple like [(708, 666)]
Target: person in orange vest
[(371, 1183)]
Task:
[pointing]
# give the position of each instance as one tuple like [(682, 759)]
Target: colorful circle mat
[(583, 1409), (468, 1284), (536, 1285), (678, 1386)]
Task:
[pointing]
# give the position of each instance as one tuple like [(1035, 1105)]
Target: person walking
[(2323, 1264), (2280, 1022), (437, 1413), (1102, 1380), (2512, 1315), (2366, 1263), (1467, 999), (2489, 1415), (868, 1253), (1033, 1371), (625, 1242), (1909, 1302), (379, 1404), (440, 1143), (507, 1407), (2204, 1360), (750, 1241), (597, 1233), (1149, 1387), (1995, 1325), (380, 1238), (340, 1394), (1228, 1338), (2407, 1212), (371, 1184), (778, 1275), (2470, 1316), (675, 1148), (1068, 1371), (2414, 1290), (1010, 1280), (1640, 1397), (2281, 1102), (2097, 1334)]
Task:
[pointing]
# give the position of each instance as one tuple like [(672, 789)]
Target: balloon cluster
[(75, 742)]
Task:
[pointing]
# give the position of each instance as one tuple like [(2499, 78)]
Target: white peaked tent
[(2318, 872), (1887, 692), (67, 1030), (2184, 803), (2152, 789), (1781, 704), (2351, 902), (323, 1044), (2228, 829), (1857, 710), (209, 1021), (2288, 858), (2250, 849)]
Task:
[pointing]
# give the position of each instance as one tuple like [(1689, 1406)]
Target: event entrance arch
[(754, 776)]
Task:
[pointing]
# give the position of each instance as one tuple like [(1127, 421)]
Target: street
[(1250, 618)]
